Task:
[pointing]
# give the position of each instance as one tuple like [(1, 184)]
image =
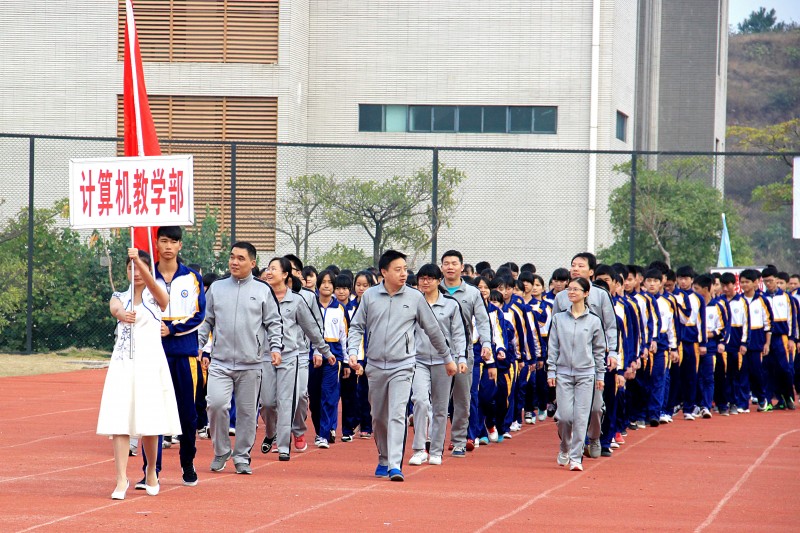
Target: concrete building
[(578, 75)]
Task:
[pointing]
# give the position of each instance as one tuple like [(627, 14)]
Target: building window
[(208, 31), (457, 119), (622, 126), (223, 118)]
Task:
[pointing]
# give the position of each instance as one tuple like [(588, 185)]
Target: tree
[(345, 257), (397, 211), (301, 215), (758, 22), (200, 244), (678, 219)]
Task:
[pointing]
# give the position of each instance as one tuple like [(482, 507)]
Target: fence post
[(29, 321), (435, 205), (632, 243), (233, 193)]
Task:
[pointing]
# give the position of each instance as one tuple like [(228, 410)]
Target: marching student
[(390, 312), (558, 282), (717, 334), (576, 368), (430, 388), (362, 281), (599, 301), (538, 394), (323, 380), (751, 378), (739, 314), (666, 351), (279, 389), (637, 388), (778, 362), (472, 307), (693, 340), (243, 316)]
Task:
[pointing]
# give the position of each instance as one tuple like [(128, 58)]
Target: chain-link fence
[(344, 204)]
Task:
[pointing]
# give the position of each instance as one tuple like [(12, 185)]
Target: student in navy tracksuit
[(538, 394), (717, 334), (362, 281), (666, 348), (693, 340), (180, 322), (778, 362), (497, 406), (739, 313), (751, 379)]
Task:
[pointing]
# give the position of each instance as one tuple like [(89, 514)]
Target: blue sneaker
[(459, 451), (484, 441), (382, 471), (396, 475), (499, 438)]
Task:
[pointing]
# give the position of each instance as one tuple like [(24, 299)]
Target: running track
[(724, 474)]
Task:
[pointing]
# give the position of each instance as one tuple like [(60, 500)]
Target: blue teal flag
[(725, 258)]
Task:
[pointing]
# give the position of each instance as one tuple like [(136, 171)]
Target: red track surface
[(724, 474)]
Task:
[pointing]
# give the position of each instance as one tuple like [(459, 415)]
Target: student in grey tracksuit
[(390, 312), (299, 426), (432, 382), (244, 321), (472, 306), (576, 367), (280, 383)]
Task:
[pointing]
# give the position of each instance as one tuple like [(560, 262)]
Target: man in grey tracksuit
[(390, 312), (599, 303), (472, 306), (244, 321)]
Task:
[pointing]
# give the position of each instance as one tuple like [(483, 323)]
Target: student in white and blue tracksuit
[(576, 368), (431, 385), (390, 313)]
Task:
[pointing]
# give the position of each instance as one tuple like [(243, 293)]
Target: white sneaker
[(530, 418), (493, 435), (435, 459), (319, 442), (232, 432), (576, 466), (515, 426), (696, 412), (664, 419), (419, 457), (705, 413), (477, 443), (562, 459), (507, 435), (688, 416), (614, 445), (542, 415), (669, 419)]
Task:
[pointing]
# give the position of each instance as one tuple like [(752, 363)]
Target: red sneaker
[(451, 446), (470, 445), (300, 443), (618, 438)]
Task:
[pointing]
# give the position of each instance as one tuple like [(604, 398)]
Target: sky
[(786, 10)]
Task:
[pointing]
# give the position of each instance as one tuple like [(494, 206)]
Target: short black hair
[(670, 275), (452, 253), (769, 271), (750, 274), (528, 267), (411, 280), (170, 232), (604, 269), (591, 259), (783, 276), (504, 271), (347, 272), (307, 270), (196, 267), (601, 283), (513, 266), (487, 273), (505, 281), (495, 296), (343, 281), (654, 273), (661, 265), (467, 268), (296, 263), (335, 269), (371, 281), (430, 270), (244, 245), (477, 280), (796, 276), (481, 266), (526, 275), (727, 278), (560, 274), (703, 280), (209, 278), (387, 257), (685, 271), (330, 274)]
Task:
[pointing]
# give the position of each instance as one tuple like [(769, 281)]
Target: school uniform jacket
[(184, 313), (760, 321), (739, 314)]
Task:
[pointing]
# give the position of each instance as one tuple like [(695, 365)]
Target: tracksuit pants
[(481, 401), (502, 398), (689, 367), (389, 392), (462, 385), (279, 392), (574, 395), (244, 386), (430, 393), (299, 426), (656, 385), (779, 369), (722, 392), (705, 379), (323, 394), (348, 391), (753, 377)]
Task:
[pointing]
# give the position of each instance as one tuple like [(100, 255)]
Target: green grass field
[(48, 363)]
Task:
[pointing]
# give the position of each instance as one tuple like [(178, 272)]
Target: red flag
[(140, 132)]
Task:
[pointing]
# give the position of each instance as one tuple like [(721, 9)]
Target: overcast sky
[(786, 10)]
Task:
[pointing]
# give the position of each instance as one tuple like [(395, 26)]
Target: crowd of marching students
[(510, 349)]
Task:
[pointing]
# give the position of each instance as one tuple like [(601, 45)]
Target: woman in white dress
[(138, 397)]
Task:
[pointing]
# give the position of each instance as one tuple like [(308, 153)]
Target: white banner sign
[(118, 192), (796, 198)]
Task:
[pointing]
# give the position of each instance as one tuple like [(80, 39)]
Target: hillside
[(763, 78)]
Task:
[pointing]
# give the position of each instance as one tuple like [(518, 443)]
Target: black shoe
[(141, 484), (654, 423), (189, 476), (624, 432), (780, 407), (790, 404), (428, 446), (267, 445), (283, 457), (333, 437), (633, 426), (551, 410), (605, 452)]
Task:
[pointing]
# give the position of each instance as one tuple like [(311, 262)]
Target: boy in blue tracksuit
[(758, 341), (693, 340), (739, 313), (181, 320), (778, 362), (666, 348), (717, 333)]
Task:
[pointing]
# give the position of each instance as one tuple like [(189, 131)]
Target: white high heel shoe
[(152, 491), (120, 494)]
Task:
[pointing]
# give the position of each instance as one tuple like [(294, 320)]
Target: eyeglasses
[(574, 289)]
